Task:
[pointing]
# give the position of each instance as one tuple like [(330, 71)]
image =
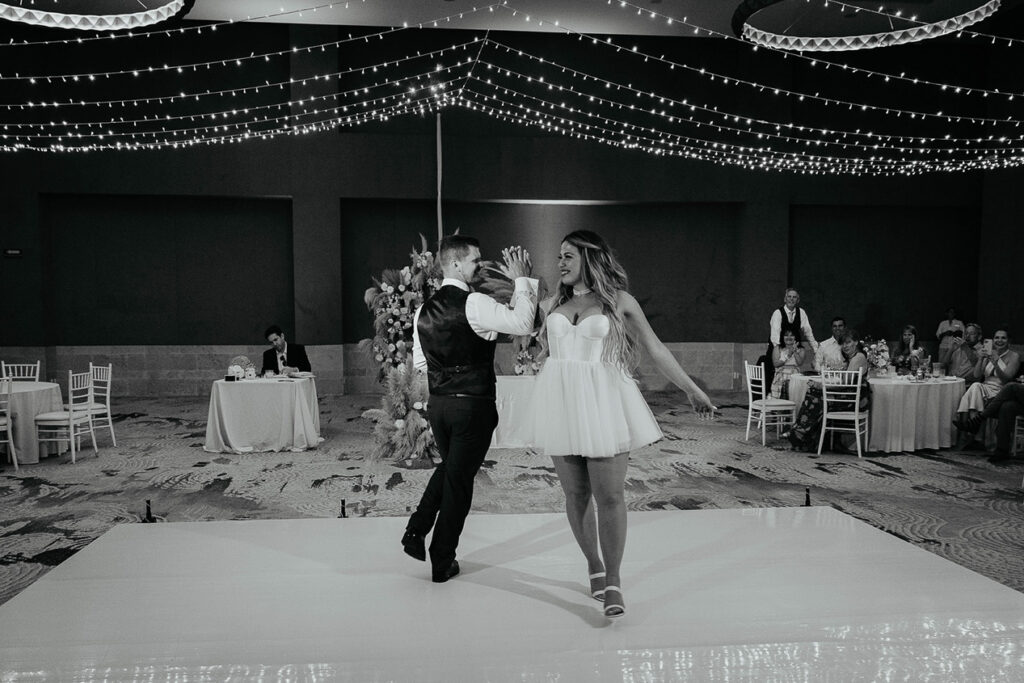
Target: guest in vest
[(454, 336), (789, 316)]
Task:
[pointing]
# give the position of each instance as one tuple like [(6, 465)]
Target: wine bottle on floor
[(149, 518)]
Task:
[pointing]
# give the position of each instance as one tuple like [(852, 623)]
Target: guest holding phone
[(949, 330)]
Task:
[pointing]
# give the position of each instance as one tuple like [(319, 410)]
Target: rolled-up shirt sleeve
[(419, 360), (488, 318)]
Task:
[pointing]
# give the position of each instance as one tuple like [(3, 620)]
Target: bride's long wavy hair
[(601, 272)]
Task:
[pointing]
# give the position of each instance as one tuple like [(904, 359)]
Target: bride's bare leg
[(607, 481), (579, 508)]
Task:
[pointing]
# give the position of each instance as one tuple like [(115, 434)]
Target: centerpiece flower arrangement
[(877, 353)]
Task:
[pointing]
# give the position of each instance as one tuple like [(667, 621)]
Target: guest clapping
[(996, 366), (788, 359)]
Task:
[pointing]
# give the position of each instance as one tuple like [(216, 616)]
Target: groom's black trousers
[(462, 428)]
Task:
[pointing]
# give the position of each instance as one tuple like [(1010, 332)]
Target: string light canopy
[(716, 99), (784, 24), (94, 15)]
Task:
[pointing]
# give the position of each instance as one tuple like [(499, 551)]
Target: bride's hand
[(702, 405)]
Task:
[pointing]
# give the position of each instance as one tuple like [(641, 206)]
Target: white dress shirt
[(829, 355), (487, 317), (805, 326)]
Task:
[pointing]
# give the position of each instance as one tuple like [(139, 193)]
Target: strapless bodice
[(583, 341)]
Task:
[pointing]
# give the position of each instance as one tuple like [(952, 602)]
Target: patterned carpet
[(954, 504)]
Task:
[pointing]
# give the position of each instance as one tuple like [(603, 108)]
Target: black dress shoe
[(441, 577), (413, 544), (1000, 458)]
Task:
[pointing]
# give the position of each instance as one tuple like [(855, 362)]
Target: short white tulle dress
[(582, 405)]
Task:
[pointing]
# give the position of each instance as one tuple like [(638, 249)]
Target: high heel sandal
[(613, 609), (597, 592)]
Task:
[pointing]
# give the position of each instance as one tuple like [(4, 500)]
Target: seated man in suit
[(283, 358)]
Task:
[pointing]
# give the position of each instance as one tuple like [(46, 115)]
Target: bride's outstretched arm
[(663, 359)]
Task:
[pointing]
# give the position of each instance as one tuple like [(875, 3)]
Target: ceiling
[(584, 16), (633, 17)]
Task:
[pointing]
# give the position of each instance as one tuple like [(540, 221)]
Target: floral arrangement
[(401, 431), (393, 301), (526, 359), (877, 354)]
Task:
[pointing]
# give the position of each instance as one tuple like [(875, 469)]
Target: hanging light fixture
[(778, 23), (93, 15)]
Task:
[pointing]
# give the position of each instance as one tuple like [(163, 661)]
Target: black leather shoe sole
[(414, 546), (453, 570)]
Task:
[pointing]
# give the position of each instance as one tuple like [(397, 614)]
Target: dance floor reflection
[(783, 594)]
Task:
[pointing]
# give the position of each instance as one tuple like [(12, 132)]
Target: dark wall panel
[(377, 234), (165, 270), (882, 267), (682, 258)]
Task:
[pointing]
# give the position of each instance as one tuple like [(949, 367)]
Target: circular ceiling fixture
[(799, 26), (93, 15)]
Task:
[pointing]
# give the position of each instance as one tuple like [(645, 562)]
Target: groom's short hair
[(455, 247)]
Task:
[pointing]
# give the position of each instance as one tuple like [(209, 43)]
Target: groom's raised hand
[(517, 263)]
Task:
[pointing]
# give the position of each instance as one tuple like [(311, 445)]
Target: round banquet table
[(263, 415), (905, 415), (28, 400)]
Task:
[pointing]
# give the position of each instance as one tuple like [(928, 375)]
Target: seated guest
[(830, 352), (994, 368), (806, 430), (949, 330), (283, 358), (790, 359), (1004, 407), (960, 357), (904, 349)]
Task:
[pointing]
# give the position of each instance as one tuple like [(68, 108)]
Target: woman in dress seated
[(806, 430), (789, 359), (905, 349), (587, 411), (994, 368)]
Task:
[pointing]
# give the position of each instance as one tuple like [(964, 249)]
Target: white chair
[(23, 372), (100, 407), (6, 421), (1018, 434), (841, 411), (776, 412), (69, 425)]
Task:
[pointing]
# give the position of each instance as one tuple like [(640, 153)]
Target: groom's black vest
[(459, 361)]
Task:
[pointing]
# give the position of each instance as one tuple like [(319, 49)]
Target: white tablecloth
[(905, 415), (513, 397), (262, 415), (28, 400)]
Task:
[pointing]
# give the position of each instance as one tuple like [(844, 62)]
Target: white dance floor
[(788, 594)]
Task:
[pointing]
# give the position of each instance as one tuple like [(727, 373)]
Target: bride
[(587, 412)]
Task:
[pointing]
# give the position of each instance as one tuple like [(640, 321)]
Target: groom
[(454, 335)]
